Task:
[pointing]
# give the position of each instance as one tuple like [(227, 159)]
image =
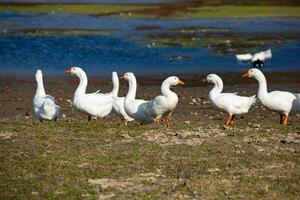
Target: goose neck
[(132, 89), (115, 81), (81, 89), (262, 85), (217, 89), (165, 89), (40, 90)]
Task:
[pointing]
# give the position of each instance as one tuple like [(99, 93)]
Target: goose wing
[(263, 55), (40, 100), (244, 57)]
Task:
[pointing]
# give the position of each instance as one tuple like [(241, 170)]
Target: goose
[(232, 103), (93, 104), (138, 109), (118, 102), (282, 102), (257, 59), (164, 104), (44, 105)]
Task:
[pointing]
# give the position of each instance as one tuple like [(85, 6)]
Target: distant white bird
[(118, 102), (44, 105), (232, 103), (257, 59), (283, 102)]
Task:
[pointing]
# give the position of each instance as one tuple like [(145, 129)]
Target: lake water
[(143, 45)]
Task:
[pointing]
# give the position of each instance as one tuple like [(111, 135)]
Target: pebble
[(256, 126), (126, 136), (215, 170), (187, 122), (63, 115)]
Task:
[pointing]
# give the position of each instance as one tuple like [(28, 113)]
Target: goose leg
[(281, 118), (89, 118), (285, 120), (232, 119), (41, 120), (164, 121), (157, 121), (167, 122), (55, 119), (228, 120), (125, 122)]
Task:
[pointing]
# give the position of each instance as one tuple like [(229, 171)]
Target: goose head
[(39, 75), (258, 63), (128, 76), (75, 71), (212, 78), (253, 72), (174, 80)]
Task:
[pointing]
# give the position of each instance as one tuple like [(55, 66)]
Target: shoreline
[(191, 80)]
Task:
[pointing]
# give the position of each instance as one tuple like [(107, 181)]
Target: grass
[(142, 10), (58, 160), (69, 8), (241, 11)]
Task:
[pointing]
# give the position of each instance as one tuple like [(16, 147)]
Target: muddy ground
[(195, 159)]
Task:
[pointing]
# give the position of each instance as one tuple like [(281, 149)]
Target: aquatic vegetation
[(4, 24), (55, 32), (220, 40)]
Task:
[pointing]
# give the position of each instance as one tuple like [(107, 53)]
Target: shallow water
[(143, 45)]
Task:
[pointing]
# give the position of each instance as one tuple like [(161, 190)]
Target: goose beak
[(180, 82), (204, 80), (246, 74), (122, 78), (69, 71)]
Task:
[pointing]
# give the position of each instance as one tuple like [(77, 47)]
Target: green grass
[(56, 161), (241, 11), (204, 11), (70, 8)]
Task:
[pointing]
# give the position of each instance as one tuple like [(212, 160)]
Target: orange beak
[(180, 82), (122, 78), (204, 80), (69, 71), (246, 74)]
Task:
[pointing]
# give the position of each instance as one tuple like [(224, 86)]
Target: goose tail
[(252, 100)]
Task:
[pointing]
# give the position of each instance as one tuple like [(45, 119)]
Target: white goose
[(284, 103), (230, 102), (138, 109), (257, 59), (44, 105), (93, 104), (164, 104), (118, 103)]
